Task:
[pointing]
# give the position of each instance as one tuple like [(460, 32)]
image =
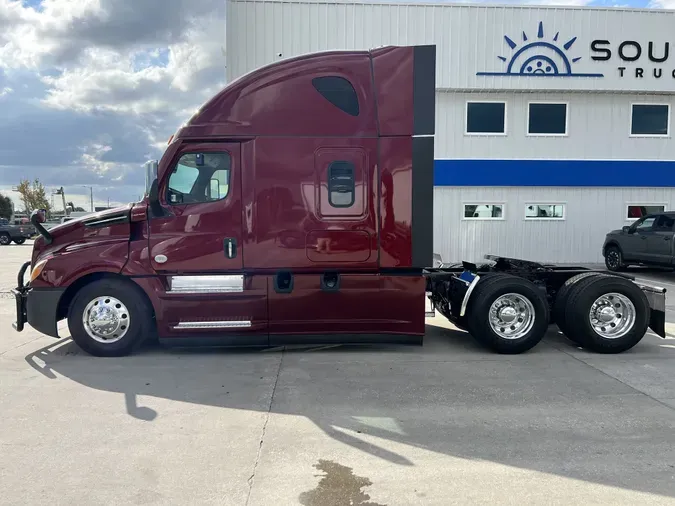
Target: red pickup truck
[(296, 206)]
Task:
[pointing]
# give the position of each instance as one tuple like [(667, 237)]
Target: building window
[(199, 177), (341, 187), (546, 119), (636, 211), (339, 92), (650, 120), (483, 211), (485, 118), (545, 211)]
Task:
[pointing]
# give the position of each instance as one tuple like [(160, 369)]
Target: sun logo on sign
[(539, 57)]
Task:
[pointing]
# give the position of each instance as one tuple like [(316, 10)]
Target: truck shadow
[(544, 411)]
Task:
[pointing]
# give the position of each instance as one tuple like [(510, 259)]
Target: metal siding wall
[(469, 38), (598, 128), (590, 214)]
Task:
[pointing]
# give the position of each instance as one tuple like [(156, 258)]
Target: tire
[(560, 303), (614, 259), (20, 241), (614, 290), (464, 322), (135, 309), (519, 291), (5, 240)]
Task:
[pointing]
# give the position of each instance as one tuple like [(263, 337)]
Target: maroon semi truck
[(296, 207)]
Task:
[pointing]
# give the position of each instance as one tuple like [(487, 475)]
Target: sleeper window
[(341, 186), (339, 92), (199, 177)]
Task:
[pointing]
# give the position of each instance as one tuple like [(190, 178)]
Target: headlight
[(37, 270)]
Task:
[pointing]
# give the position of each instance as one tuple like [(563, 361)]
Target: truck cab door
[(196, 248)]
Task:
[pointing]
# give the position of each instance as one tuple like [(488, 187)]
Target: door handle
[(230, 247)]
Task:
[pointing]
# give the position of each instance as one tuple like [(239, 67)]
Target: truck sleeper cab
[(296, 207)]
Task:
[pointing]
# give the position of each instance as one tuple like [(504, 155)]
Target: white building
[(553, 124)]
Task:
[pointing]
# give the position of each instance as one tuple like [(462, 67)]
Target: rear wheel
[(607, 314), (508, 314), (560, 303), (5, 239), (109, 318), (20, 241)]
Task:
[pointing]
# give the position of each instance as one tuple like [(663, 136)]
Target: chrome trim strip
[(207, 284), (225, 324), (465, 300)]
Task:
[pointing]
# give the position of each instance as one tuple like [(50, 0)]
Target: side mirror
[(626, 229), (37, 218)]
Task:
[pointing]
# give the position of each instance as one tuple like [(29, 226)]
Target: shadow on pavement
[(546, 410)]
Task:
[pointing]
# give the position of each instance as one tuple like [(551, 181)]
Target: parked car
[(648, 241), (17, 233)]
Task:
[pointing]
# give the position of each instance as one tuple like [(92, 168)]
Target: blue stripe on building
[(605, 173)]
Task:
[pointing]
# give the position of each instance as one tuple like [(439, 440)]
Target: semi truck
[(296, 207)]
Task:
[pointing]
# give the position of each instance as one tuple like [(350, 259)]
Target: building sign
[(540, 56), (648, 58)]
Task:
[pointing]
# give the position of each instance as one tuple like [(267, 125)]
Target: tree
[(6, 207), (33, 195)]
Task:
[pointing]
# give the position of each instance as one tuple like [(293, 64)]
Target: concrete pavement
[(448, 423)]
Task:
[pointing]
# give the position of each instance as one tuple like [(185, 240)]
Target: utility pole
[(91, 195)]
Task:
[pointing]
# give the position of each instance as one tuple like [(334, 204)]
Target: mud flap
[(657, 302)]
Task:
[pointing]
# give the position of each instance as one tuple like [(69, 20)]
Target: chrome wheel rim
[(612, 315), (4, 239), (106, 319), (511, 316), (613, 258)]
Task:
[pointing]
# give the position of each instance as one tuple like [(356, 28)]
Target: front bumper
[(36, 306)]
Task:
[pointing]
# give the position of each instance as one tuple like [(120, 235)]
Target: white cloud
[(662, 4)]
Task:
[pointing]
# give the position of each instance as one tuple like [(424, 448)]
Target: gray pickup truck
[(15, 232), (649, 241)]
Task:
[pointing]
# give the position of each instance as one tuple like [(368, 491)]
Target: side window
[(339, 92), (646, 224), (199, 177), (341, 187), (664, 223)]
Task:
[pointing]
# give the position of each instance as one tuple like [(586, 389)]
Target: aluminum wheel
[(5, 239), (511, 316), (612, 315), (613, 259), (106, 319)]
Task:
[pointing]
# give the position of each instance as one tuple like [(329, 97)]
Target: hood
[(615, 232), (117, 215), (111, 224)]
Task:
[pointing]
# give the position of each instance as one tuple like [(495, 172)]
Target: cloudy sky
[(90, 89)]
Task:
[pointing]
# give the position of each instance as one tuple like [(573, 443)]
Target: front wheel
[(508, 314), (110, 318), (5, 239), (614, 259)]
